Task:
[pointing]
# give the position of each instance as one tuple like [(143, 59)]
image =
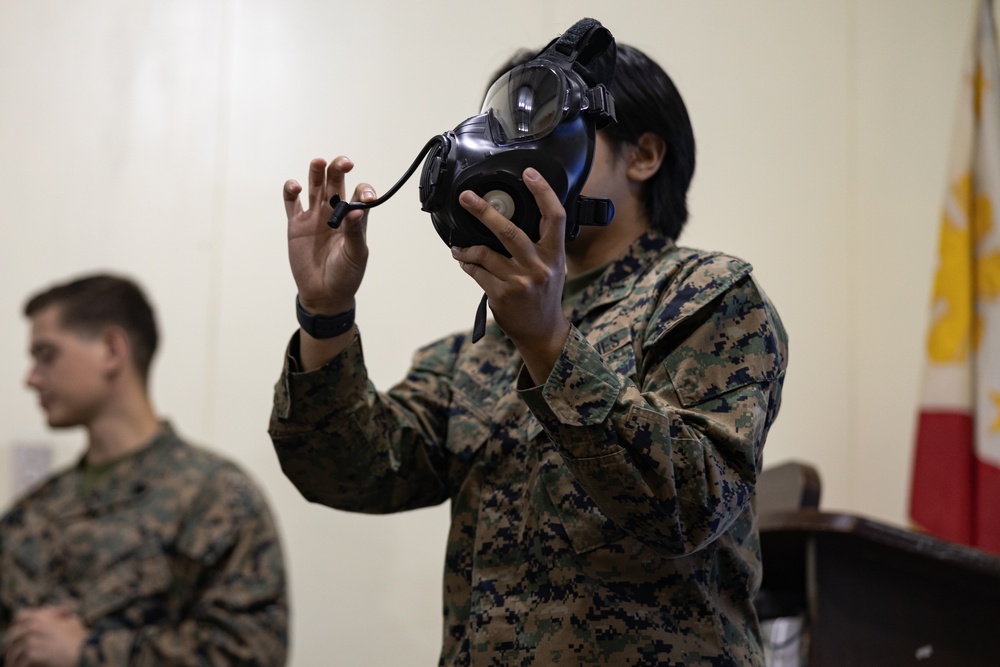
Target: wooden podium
[(878, 595)]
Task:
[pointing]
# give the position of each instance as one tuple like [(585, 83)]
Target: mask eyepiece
[(528, 102)]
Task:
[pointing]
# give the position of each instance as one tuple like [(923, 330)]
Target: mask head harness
[(542, 114)]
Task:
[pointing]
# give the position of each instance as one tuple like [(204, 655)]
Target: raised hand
[(327, 264), (525, 289)]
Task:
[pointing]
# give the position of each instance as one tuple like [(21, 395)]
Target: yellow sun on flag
[(995, 428), (957, 329)]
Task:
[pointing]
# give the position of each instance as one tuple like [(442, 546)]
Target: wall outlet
[(32, 462)]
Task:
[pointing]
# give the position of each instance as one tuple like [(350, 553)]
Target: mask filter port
[(502, 202)]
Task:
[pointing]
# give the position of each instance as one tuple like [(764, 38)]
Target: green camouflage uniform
[(172, 559), (603, 518)]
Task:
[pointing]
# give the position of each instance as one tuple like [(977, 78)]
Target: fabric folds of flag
[(955, 490)]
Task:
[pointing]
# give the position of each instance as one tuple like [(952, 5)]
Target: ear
[(646, 156), (117, 349)]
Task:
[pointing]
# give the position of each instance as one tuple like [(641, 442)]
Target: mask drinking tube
[(341, 208)]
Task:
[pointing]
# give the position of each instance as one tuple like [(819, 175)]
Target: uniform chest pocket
[(135, 578), (469, 417), (617, 351), (586, 526)]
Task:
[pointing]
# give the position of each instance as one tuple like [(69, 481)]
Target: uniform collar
[(127, 481), (619, 278)]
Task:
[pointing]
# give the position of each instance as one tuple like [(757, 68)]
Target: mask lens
[(527, 102)]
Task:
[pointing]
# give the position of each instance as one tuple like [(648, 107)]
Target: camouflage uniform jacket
[(172, 559), (603, 518)]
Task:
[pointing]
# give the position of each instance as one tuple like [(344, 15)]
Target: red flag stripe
[(987, 535), (944, 472)]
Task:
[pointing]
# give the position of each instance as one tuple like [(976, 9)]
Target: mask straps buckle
[(598, 102), (590, 212)]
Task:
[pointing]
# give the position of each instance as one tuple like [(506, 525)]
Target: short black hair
[(93, 302), (646, 100)]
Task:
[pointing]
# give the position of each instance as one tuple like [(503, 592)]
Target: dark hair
[(93, 302), (646, 100)]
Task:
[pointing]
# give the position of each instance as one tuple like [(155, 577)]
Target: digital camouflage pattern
[(172, 559), (604, 518)]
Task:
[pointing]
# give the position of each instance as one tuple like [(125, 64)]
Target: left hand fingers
[(317, 169), (481, 256), (17, 645), (14, 656), (290, 195), (510, 235), (21, 624), (482, 264), (552, 228)]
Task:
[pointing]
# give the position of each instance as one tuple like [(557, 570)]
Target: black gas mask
[(543, 114)]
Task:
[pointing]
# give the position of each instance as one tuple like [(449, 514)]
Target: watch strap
[(323, 326)]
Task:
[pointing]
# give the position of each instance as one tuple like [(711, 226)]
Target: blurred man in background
[(148, 551)]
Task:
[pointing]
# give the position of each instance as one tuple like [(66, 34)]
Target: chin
[(61, 421)]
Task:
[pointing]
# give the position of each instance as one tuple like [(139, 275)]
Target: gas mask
[(542, 114)]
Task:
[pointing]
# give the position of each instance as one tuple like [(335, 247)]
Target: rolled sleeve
[(303, 400)]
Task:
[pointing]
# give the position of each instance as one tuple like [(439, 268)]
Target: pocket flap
[(586, 525)]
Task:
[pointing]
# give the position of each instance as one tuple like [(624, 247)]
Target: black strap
[(323, 326), (593, 212), (567, 42), (479, 328), (592, 49)]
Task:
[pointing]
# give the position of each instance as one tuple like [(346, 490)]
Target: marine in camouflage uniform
[(604, 517), (172, 558)]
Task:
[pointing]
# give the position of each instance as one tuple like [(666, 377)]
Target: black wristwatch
[(323, 326)]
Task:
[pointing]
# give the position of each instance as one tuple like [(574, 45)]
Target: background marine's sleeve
[(229, 555), (673, 456)]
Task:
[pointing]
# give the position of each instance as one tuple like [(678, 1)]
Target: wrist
[(541, 353), (321, 325), (325, 307)]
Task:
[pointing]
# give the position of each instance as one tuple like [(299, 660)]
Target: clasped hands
[(50, 636)]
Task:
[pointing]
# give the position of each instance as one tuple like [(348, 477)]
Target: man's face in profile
[(69, 370)]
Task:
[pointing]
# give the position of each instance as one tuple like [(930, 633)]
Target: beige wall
[(153, 139)]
